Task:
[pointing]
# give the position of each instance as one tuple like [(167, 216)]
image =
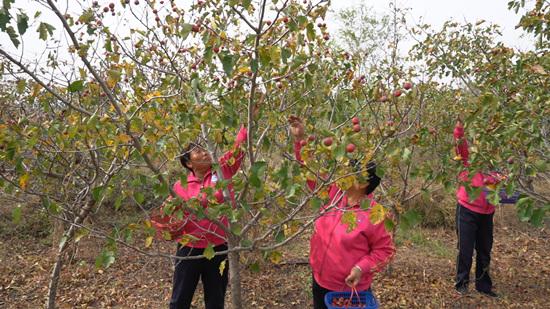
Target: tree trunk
[(235, 275), (63, 245)]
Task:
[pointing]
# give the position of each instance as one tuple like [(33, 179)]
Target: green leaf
[(256, 172), (349, 218), (105, 259), (409, 219), (20, 87), (16, 214), (140, 197), (13, 36), (185, 30), (22, 23), (44, 29), (406, 154), (537, 217), (76, 86), (310, 32), (316, 203), (209, 252), (4, 19), (255, 267), (389, 224), (97, 193), (7, 4), (228, 62)]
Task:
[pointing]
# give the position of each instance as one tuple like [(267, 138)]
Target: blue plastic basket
[(366, 299), (505, 198)]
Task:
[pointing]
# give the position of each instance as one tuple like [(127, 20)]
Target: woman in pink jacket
[(198, 233), (341, 259), (474, 223)]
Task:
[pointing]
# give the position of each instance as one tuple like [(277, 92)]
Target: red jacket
[(334, 251), (480, 180), (204, 230)]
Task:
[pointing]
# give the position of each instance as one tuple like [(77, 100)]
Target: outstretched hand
[(296, 127)]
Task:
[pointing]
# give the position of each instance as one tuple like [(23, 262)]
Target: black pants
[(319, 294), (188, 273), (474, 230)]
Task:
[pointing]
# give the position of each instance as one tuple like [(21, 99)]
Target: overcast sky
[(434, 12)]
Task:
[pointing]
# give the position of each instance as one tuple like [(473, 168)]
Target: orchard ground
[(421, 275)]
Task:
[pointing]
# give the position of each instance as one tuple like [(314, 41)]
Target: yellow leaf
[(124, 138), (244, 69), (148, 241), (491, 187), (276, 257), (222, 267), (147, 223), (377, 214), (23, 181)]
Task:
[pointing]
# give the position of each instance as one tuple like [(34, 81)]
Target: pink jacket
[(480, 180), (334, 251), (204, 230)]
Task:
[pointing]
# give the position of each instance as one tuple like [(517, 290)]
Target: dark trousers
[(319, 294), (474, 230), (188, 273)]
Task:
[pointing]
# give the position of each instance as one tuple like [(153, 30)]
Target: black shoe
[(462, 290), (488, 293)]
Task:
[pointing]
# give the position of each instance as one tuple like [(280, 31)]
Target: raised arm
[(297, 132), (461, 144), (231, 161)]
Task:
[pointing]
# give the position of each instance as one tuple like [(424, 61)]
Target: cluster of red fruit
[(346, 303)]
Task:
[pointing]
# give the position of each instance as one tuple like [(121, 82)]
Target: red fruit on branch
[(407, 85), (303, 143), (111, 5), (327, 141), (383, 98), (397, 93), (355, 120), (350, 148), (195, 28), (285, 19), (356, 128), (311, 138), (216, 49)]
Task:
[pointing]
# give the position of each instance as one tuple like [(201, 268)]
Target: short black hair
[(372, 178), (185, 156)]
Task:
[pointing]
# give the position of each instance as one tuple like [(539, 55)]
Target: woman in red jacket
[(341, 259), (474, 223), (197, 233)]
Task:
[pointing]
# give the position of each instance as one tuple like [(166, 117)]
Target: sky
[(434, 12)]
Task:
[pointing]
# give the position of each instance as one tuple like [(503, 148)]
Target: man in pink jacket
[(341, 259), (474, 224), (199, 233)]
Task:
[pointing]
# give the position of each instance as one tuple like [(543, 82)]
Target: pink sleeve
[(462, 147), (229, 169), (382, 249)]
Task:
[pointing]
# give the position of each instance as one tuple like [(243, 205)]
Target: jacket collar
[(191, 177)]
